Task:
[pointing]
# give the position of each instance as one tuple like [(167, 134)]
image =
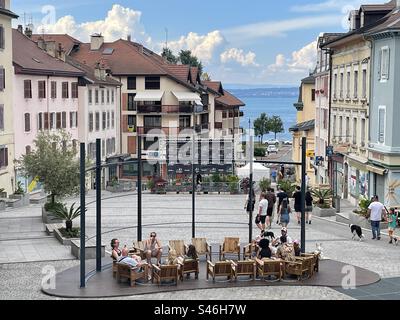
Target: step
[(51, 226)]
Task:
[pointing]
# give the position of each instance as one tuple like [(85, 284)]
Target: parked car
[(272, 142), (288, 143), (272, 149)]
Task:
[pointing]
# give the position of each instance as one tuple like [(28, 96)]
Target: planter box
[(90, 251), (320, 212), (63, 241), (359, 220), (47, 217), (23, 198)]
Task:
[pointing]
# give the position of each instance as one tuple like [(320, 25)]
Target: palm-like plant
[(323, 196), (287, 186), (66, 214), (264, 184)]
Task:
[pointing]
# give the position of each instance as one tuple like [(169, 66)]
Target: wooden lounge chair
[(308, 263), (220, 268), (299, 268), (230, 246), (248, 250), (202, 247), (179, 246), (114, 268), (315, 261), (270, 267), (165, 273), (244, 268), (189, 266), (126, 271), (138, 249)]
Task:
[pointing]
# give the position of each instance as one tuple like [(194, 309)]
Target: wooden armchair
[(230, 246), (138, 249), (165, 273), (202, 247), (126, 271), (189, 266), (248, 251), (315, 261), (220, 268), (270, 267), (244, 268), (299, 268), (179, 246)]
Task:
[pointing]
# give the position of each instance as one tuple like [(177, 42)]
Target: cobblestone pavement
[(217, 216)]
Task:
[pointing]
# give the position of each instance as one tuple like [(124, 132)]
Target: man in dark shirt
[(297, 203), (280, 195), (271, 202)]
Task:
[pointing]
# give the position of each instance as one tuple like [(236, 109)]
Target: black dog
[(269, 234), (356, 230)]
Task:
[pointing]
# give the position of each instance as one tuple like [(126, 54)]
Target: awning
[(149, 96), (187, 96), (357, 162), (377, 170)]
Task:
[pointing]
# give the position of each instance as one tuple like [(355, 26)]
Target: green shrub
[(323, 197), (51, 206), (264, 184), (259, 152), (287, 186)]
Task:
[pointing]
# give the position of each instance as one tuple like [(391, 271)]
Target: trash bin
[(336, 203)]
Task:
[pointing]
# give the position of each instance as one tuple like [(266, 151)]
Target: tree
[(205, 77), (169, 56), (275, 125), (261, 126), (54, 161), (186, 57)]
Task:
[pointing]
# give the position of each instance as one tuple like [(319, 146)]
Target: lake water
[(272, 106)]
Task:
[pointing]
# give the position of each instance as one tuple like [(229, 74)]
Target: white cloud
[(238, 56), (330, 5), (202, 46), (118, 23), (301, 61)]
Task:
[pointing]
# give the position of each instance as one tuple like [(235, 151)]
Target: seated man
[(285, 250), (277, 241), (153, 248)]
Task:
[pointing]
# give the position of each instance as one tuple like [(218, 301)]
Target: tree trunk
[(275, 135), (53, 198)]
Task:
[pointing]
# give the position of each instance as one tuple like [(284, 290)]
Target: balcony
[(146, 130), (170, 109)]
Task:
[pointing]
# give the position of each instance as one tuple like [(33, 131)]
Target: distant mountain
[(266, 92)]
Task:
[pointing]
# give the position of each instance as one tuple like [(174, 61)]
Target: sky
[(252, 42)]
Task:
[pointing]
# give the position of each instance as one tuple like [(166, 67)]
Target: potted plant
[(64, 235), (323, 207), (264, 184), (19, 194)]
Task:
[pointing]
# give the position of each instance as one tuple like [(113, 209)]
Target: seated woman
[(115, 250), (296, 248), (191, 253), (264, 252)]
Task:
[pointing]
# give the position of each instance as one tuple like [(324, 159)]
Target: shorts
[(269, 211), (262, 219), (297, 208), (285, 218)]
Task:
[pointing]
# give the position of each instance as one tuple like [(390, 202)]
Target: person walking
[(273, 175), (297, 203), (271, 202), (309, 206), (375, 211), (392, 222), (249, 207), (262, 212), (284, 213), (281, 195)]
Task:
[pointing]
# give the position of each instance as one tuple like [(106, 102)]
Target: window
[(64, 120), (52, 120), (65, 93), (102, 96), (96, 96), (42, 89), (3, 157), (335, 86), (46, 120), (27, 118), (312, 94), (184, 121), (104, 121), (112, 96), (27, 89), (131, 102), (355, 84), (28, 149), (347, 129), (340, 128), (97, 121), (1, 117), (108, 96), (108, 119), (90, 98), (341, 86), (382, 122), (2, 34), (152, 121), (2, 78), (152, 83), (58, 120), (40, 121), (113, 145), (103, 147), (73, 119), (74, 144), (334, 129), (132, 121), (362, 132), (355, 131), (325, 119), (53, 89), (112, 119), (74, 90), (348, 85), (131, 83), (364, 84), (91, 122), (384, 65)]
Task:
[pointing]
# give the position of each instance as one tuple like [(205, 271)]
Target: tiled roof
[(379, 7), (391, 22), (308, 80), (304, 126), (179, 71), (194, 72), (67, 42), (216, 86), (228, 99), (28, 58)]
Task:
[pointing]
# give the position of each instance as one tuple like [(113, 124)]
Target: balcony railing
[(170, 109)]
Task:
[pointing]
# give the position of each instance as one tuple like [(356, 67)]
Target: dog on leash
[(356, 231)]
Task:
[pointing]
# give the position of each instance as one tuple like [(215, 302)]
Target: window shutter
[(380, 65), (1, 117), (387, 63), (1, 37), (2, 79)]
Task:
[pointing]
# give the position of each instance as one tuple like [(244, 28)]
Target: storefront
[(358, 178)]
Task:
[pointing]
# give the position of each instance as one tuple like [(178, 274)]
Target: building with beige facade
[(305, 124), (7, 145)]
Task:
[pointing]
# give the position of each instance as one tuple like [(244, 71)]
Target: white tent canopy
[(259, 172)]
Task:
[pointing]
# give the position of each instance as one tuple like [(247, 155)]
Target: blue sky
[(256, 42)]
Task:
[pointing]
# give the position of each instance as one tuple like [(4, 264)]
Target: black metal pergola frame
[(83, 276)]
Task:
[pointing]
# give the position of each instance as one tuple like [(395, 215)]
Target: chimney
[(40, 43), (99, 72), (353, 20), (96, 41), (20, 28), (28, 32), (130, 39), (61, 53)]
